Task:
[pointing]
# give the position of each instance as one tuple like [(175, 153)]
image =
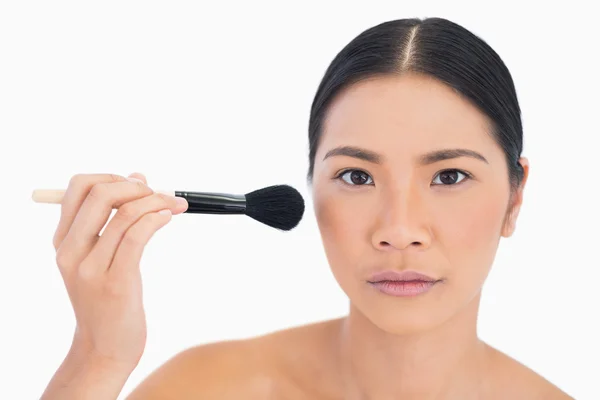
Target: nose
[(402, 223)]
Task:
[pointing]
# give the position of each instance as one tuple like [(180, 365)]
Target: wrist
[(83, 350), (92, 360)]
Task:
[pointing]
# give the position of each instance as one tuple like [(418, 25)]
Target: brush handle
[(213, 203), (198, 202), (55, 196), (49, 196)]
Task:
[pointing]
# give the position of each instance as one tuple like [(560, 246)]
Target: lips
[(397, 276), (402, 284)]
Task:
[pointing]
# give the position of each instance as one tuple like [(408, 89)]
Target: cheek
[(335, 221), (343, 231), (469, 232), (473, 223)]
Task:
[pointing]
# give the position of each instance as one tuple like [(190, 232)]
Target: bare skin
[(303, 363), (389, 348), (402, 216)]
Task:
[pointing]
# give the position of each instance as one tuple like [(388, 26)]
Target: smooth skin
[(443, 218)]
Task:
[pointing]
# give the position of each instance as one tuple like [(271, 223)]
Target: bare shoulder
[(514, 380), (263, 367), (223, 370)]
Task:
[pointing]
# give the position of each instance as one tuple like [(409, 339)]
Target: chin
[(401, 315)]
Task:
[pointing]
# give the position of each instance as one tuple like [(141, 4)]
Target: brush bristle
[(279, 206)]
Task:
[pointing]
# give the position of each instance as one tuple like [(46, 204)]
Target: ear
[(512, 213)]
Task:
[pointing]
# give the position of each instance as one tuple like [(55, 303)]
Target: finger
[(127, 215), (93, 215), (130, 250), (78, 189), (140, 176)]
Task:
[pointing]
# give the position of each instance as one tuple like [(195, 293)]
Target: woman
[(416, 173)]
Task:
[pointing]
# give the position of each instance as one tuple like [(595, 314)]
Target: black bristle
[(279, 206)]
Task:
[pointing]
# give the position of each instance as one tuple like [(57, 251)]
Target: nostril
[(388, 244)]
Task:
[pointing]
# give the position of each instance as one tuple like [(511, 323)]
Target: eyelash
[(467, 176)]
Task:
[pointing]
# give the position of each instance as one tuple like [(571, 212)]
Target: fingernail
[(165, 212), (134, 179), (181, 201)]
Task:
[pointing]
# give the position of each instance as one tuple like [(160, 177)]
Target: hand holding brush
[(102, 272)]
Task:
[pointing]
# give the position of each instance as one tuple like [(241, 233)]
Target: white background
[(216, 98)]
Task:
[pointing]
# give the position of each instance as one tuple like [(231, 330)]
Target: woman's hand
[(101, 272)]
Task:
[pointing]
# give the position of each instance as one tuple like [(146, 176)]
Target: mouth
[(402, 284)]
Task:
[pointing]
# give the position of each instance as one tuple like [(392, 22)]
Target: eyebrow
[(425, 159)]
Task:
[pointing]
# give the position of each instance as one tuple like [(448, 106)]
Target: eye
[(354, 177), (357, 177), (450, 177)]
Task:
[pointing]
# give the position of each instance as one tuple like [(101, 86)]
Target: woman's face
[(412, 209)]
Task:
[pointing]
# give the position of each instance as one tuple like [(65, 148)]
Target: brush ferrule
[(213, 203)]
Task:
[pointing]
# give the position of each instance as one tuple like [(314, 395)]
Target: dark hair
[(438, 48)]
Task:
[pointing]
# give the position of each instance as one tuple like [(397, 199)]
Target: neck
[(445, 362)]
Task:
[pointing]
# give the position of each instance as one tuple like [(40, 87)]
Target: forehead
[(410, 113)]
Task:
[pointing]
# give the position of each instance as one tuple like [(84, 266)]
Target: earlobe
[(510, 220)]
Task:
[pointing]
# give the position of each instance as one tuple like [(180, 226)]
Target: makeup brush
[(278, 206)]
